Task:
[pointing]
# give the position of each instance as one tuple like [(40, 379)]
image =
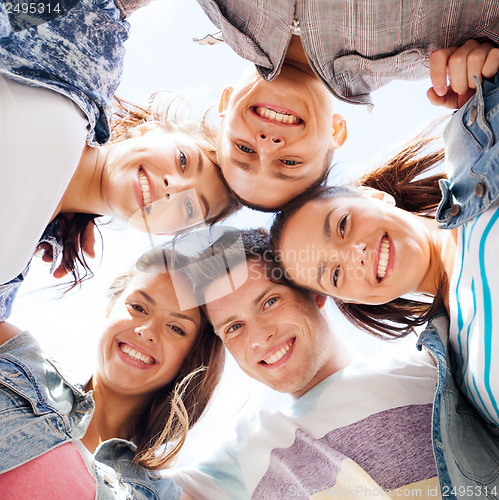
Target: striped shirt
[(474, 312), (353, 46)]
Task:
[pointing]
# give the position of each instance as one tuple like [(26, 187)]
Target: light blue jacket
[(40, 410), (466, 447), (472, 158)]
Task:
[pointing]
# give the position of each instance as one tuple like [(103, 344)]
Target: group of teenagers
[(404, 249)]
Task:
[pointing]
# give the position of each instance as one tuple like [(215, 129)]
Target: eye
[(342, 225), (269, 302), (182, 159), (291, 163), (244, 149), (232, 328), (136, 307), (335, 275), (189, 209), (177, 330)]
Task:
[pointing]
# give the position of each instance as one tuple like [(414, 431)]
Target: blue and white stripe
[(474, 310)]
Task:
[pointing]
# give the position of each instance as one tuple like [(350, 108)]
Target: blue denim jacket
[(40, 410), (472, 158), (466, 448), (79, 54)]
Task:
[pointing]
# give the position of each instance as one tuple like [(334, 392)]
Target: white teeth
[(136, 355), (276, 116), (384, 254), (146, 190), (278, 355)]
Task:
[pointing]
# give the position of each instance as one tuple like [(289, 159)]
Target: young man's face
[(277, 137), (277, 335)]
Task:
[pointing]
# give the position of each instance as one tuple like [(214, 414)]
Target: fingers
[(491, 65), (88, 241), (458, 67), (449, 100), (60, 272), (438, 69), (466, 62)]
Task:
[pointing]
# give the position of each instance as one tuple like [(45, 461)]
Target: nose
[(147, 332), (261, 333), (268, 142), (176, 184), (357, 253)]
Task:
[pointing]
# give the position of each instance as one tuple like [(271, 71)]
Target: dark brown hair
[(125, 117), (159, 431), (406, 176)]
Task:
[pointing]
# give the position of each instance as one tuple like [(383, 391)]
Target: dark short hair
[(256, 247)]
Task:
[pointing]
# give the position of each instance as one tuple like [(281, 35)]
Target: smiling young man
[(355, 428), (279, 130)]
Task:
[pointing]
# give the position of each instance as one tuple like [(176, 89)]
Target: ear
[(320, 300), (377, 194), (339, 130), (224, 100)]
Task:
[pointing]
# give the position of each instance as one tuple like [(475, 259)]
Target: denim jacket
[(466, 448), (78, 54), (472, 158), (40, 410)]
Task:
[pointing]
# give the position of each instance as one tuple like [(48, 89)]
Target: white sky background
[(161, 55)]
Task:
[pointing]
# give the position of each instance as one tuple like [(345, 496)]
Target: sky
[(162, 55)]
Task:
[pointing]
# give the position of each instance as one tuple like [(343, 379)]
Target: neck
[(113, 416), (334, 357), (83, 194), (295, 56), (443, 250)]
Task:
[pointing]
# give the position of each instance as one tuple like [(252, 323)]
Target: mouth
[(278, 355), (278, 116), (383, 258), (145, 197), (135, 355)]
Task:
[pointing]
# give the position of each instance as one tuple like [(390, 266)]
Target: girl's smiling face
[(357, 248), (147, 336), (163, 176)]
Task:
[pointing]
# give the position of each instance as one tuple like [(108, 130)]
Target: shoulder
[(7, 332)]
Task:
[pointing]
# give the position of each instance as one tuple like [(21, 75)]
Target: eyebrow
[(255, 301), (320, 273), (279, 175), (205, 203), (184, 316), (176, 314), (242, 165), (200, 162), (147, 297), (326, 228)]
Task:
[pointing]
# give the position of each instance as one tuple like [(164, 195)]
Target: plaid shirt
[(354, 46)]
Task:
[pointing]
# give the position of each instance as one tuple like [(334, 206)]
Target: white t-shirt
[(42, 136), (474, 312), (362, 432)]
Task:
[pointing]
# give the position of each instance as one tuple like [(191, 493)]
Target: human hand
[(460, 65), (44, 250)]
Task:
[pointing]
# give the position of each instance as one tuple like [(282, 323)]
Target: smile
[(384, 256), (276, 356), (280, 117), (136, 355), (144, 188)]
